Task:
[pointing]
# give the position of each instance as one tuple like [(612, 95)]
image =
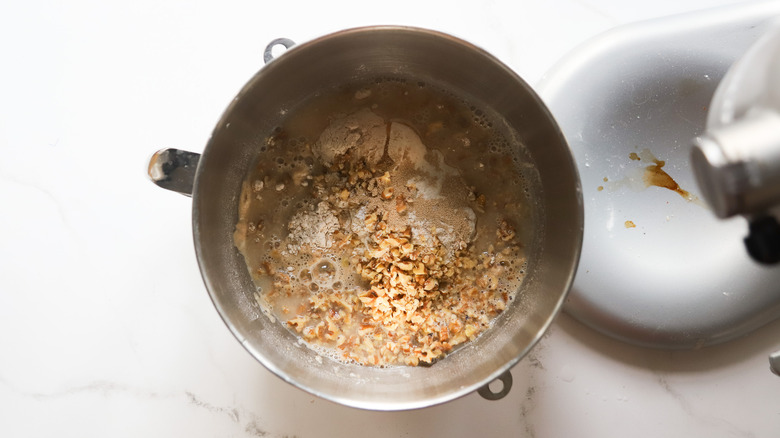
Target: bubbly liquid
[(469, 139)]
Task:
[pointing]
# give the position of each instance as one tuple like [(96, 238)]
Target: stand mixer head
[(736, 161)]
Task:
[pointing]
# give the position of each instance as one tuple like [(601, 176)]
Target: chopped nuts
[(406, 266), (400, 204), (387, 193), (402, 298), (505, 231)]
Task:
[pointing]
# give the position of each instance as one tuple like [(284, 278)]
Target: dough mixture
[(377, 262)]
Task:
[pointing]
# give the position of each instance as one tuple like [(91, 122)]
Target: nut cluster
[(414, 303)]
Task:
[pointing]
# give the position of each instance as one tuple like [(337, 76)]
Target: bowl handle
[(774, 362), (268, 55), (174, 169), (489, 394)]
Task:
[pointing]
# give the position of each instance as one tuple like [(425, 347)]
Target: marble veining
[(713, 422), (251, 424)]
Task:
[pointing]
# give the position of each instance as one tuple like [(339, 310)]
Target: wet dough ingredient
[(379, 265), (363, 134), (313, 228)]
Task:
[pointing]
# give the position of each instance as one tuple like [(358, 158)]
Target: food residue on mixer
[(651, 175), (655, 175), (385, 247)]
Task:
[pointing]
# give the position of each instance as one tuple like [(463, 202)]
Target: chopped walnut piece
[(400, 204), (387, 193), (505, 231)]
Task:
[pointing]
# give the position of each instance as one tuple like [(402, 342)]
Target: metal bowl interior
[(415, 54)]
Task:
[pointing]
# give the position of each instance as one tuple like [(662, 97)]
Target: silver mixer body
[(736, 161)]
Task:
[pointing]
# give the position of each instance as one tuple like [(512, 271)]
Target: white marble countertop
[(106, 328)]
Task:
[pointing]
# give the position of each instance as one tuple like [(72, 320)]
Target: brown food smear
[(655, 175)]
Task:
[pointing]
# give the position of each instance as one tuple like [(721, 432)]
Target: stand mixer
[(736, 161), (668, 268)]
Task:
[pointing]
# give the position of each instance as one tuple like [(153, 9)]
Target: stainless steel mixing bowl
[(215, 178)]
